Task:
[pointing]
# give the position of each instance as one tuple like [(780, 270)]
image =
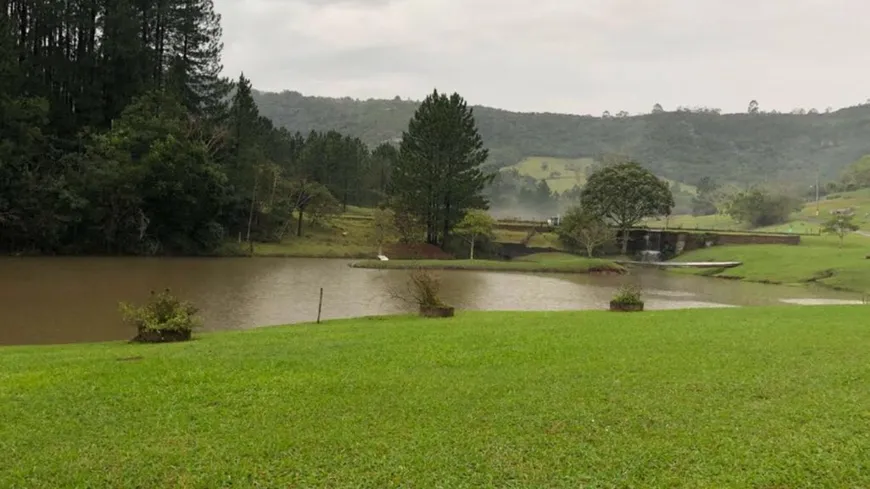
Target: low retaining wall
[(525, 227), (737, 239), (676, 242)]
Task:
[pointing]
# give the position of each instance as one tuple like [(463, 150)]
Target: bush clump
[(424, 288), (164, 318), (628, 295)]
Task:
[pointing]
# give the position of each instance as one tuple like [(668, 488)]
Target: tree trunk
[(299, 224), (472, 247), (251, 211), (625, 241), (589, 250), (446, 224)]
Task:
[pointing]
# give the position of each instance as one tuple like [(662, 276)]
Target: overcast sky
[(574, 56)]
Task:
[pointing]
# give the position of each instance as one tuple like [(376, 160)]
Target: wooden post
[(320, 305)]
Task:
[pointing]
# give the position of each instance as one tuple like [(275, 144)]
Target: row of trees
[(754, 108), (120, 136)]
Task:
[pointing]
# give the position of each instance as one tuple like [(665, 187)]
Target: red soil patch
[(416, 252)]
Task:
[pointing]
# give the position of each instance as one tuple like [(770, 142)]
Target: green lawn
[(858, 200), (562, 174), (805, 221), (541, 262), (347, 236), (769, 397), (817, 258), (539, 240)]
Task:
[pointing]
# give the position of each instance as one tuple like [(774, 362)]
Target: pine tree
[(438, 178), (194, 57), (383, 159)]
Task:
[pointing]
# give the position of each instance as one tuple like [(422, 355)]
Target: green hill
[(682, 146), (808, 220), (562, 174)]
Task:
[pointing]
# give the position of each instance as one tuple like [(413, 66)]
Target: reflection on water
[(59, 300)]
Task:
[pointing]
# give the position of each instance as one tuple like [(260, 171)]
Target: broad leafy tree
[(475, 225), (759, 207), (584, 230), (840, 226), (438, 176), (624, 194), (384, 228)]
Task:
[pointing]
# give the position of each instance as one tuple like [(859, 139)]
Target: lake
[(65, 300)]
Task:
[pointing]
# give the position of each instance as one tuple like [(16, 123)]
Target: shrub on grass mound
[(165, 318), (422, 290), (627, 299)]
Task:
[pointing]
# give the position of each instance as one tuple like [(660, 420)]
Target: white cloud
[(582, 56)]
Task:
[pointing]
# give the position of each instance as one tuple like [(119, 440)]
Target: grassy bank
[(816, 259), (349, 235), (773, 397), (541, 262)]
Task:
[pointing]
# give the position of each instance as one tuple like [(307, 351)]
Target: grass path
[(770, 397)]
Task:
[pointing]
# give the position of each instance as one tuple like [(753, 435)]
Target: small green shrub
[(628, 295), (163, 312)]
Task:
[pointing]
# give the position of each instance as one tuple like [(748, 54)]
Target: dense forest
[(683, 145), (118, 134)]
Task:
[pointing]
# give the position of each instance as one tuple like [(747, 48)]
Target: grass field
[(766, 398), (350, 235), (817, 259), (540, 263), (804, 221), (858, 200), (562, 174), (347, 236)]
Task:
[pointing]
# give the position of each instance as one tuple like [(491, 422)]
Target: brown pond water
[(64, 300)]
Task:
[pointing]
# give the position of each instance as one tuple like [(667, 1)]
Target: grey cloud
[(557, 55), (362, 62)]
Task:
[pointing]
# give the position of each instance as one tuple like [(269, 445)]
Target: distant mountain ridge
[(683, 146)]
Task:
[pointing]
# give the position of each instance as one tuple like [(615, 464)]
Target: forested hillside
[(684, 145)]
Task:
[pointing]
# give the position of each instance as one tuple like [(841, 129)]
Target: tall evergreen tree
[(193, 52), (438, 176), (118, 135), (383, 159)]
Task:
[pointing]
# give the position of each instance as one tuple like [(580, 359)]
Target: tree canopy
[(625, 193), (840, 225), (582, 229), (760, 207), (118, 135), (475, 225), (437, 177)]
